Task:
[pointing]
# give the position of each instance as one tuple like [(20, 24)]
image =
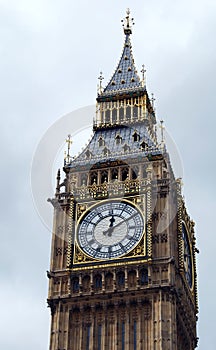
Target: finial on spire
[(162, 134), (127, 23), (100, 78), (69, 142), (153, 101), (58, 178), (143, 71)]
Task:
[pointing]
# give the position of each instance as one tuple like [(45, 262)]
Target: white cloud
[(34, 14)]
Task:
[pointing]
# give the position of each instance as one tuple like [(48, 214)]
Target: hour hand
[(109, 231), (112, 220)]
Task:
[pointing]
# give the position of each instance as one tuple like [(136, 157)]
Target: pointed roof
[(125, 77)]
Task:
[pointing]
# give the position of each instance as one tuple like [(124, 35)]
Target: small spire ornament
[(162, 135), (143, 71), (162, 130), (100, 78), (127, 22), (69, 143), (153, 101)]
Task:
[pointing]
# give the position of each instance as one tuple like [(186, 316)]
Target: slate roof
[(125, 76), (117, 142), (104, 145)]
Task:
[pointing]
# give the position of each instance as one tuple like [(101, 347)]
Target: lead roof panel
[(125, 75), (109, 148)]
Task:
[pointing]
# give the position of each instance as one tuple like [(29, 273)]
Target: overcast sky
[(51, 55)]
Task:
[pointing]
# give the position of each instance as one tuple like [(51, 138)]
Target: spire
[(127, 23), (125, 76)]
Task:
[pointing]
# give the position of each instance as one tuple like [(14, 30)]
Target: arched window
[(136, 136), (86, 283), (75, 284), (118, 139), (128, 112), (143, 276), (107, 116), (120, 279), (135, 172), (125, 172), (93, 177), (135, 112), (109, 281), (84, 178), (98, 281), (114, 115), (104, 176), (121, 113), (114, 174), (143, 146), (101, 141)]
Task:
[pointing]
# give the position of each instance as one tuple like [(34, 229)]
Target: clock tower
[(123, 267)]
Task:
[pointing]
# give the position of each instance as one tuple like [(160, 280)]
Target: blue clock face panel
[(187, 256), (110, 229)]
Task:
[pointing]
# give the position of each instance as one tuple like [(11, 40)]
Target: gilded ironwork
[(70, 234)]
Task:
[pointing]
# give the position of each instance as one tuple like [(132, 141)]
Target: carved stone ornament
[(138, 250), (80, 256)]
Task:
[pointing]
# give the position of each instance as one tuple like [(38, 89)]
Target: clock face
[(187, 256), (110, 229)]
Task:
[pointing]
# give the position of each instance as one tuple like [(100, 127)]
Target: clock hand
[(109, 231), (111, 228), (124, 220), (112, 220)]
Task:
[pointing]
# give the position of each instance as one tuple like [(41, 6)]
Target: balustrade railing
[(109, 189)]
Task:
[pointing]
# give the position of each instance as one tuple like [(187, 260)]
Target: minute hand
[(120, 223)]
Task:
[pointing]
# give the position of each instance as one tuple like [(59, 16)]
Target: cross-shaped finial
[(162, 130), (143, 71), (127, 22), (100, 78), (69, 142), (152, 100)]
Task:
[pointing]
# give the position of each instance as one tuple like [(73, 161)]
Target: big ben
[(123, 267)]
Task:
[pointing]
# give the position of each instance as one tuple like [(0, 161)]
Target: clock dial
[(187, 256), (110, 229)]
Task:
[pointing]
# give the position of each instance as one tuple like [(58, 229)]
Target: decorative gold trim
[(179, 226), (191, 255), (139, 250), (149, 220), (70, 232), (109, 265), (195, 269), (82, 257)]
